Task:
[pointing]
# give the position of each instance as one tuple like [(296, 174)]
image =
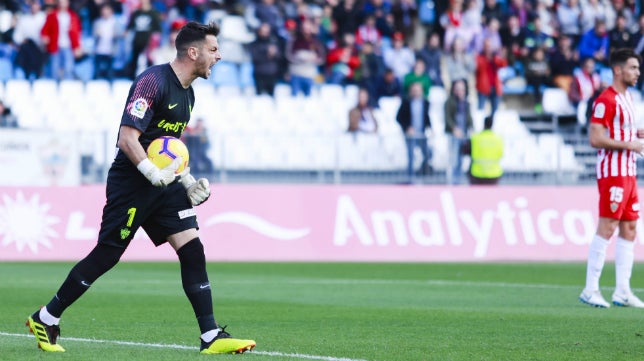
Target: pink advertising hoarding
[(326, 223)]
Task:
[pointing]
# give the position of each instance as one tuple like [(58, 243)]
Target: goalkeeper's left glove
[(198, 190)]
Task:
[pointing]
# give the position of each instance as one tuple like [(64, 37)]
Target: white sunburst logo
[(25, 222)]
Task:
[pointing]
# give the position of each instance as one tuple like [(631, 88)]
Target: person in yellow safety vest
[(486, 150)]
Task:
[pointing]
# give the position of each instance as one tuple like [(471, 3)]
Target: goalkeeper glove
[(159, 177), (198, 190)]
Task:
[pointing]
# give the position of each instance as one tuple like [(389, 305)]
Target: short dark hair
[(620, 56), (193, 32)]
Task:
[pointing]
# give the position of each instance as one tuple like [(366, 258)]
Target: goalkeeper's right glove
[(159, 177), (198, 190)]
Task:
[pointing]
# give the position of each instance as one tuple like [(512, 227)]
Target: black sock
[(100, 260), (195, 283)]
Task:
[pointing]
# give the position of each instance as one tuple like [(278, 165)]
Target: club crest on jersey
[(613, 207), (600, 110), (139, 107)]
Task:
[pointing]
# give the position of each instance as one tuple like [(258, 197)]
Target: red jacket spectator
[(487, 73), (50, 30)]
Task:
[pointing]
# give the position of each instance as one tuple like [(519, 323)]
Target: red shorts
[(618, 198)]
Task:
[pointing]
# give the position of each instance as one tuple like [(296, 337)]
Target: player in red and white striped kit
[(613, 131)]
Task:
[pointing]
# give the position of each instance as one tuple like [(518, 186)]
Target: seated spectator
[(513, 40), (458, 124), (537, 73), (492, 9), (368, 32), (399, 58), (361, 117), (342, 61), (563, 62), (388, 85), (594, 43), (417, 75), (490, 31), (537, 38), (405, 14), (266, 57), (585, 84), (370, 71), (26, 36), (413, 118), (486, 150), (569, 18), (7, 119), (432, 55), (592, 10), (619, 36)]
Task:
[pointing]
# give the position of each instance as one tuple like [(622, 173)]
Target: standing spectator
[(342, 61), (7, 118), (458, 124), (432, 55), (106, 32), (585, 84), (266, 57), (537, 73), (488, 83), (593, 10), (389, 85), (413, 118), (417, 75), (370, 71), (563, 63), (362, 117), (61, 36), (486, 150), (521, 10), (26, 36), (460, 63), (569, 18), (305, 54), (594, 43), (399, 58), (267, 12), (620, 36), (144, 23)]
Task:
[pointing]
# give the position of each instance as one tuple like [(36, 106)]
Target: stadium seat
[(18, 90), (555, 101), (6, 69)]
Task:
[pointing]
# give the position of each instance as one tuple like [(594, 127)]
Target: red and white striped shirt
[(616, 112)]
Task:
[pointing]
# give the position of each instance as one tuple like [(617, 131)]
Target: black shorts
[(133, 202)]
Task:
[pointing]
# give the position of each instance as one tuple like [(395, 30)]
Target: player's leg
[(44, 323), (194, 277), (624, 256), (611, 208)]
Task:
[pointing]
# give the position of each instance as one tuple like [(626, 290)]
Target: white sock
[(623, 265), (47, 318), (596, 257), (210, 335)]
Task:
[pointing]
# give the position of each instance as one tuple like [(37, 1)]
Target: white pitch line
[(183, 347)]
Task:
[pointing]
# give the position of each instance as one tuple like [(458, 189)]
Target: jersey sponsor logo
[(177, 127), (125, 232), (600, 110), (613, 207), (139, 108), (187, 213), (171, 106)]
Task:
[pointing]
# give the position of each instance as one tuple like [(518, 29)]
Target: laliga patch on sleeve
[(139, 107), (600, 110)]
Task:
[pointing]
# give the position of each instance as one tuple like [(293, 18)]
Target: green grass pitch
[(331, 312)]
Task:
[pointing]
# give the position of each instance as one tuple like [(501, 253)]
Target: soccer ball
[(163, 150)]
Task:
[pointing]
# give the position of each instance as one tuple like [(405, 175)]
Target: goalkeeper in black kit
[(141, 195)]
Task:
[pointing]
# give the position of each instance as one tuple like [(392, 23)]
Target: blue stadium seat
[(6, 69)]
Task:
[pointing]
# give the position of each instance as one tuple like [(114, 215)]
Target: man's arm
[(129, 144), (599, 139)]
